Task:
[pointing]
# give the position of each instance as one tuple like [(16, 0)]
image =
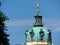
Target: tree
[(3, 35)]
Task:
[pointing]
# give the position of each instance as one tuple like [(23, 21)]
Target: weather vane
[(38, 5), (38, 8)]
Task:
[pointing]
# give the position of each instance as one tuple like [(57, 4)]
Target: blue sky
[(21, 14)]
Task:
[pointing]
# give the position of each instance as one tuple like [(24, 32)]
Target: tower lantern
[(38, 16)]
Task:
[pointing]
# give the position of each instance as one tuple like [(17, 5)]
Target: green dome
[(36, 35)]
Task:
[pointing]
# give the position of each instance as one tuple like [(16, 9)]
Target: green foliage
[(3, 17), (3, 36)]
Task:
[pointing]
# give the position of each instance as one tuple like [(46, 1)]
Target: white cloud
[(54, 23), (21, 22)]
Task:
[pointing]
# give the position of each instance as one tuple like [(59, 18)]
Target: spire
[(38, 6), (38, 17)]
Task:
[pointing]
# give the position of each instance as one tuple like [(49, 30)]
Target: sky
[(21, 14)]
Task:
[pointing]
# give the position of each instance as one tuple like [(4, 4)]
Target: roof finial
[(38, 6), (38, 17)]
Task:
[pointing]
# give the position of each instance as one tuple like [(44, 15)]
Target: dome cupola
[(38, 34)]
